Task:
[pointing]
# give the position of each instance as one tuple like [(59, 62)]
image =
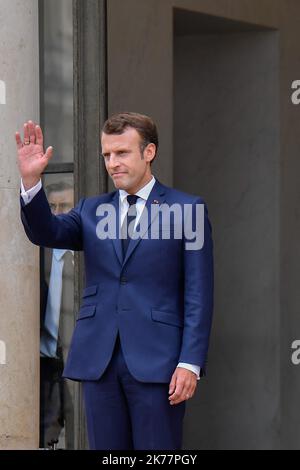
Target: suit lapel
[(117, 243), (156, 198)]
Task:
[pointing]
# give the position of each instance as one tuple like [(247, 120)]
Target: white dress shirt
[(143, 195), (28, 195), (48, 346)]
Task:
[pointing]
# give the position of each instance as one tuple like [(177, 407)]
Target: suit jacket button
[(123, 280)]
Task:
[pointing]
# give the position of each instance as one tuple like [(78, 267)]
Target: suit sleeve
[(48, 230), (198, 295)]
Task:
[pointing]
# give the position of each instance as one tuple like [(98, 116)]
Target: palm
[(31, 157), (32, 160)]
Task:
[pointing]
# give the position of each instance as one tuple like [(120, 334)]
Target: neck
[(140, 185)]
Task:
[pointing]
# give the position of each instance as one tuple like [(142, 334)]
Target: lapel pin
[(155, 201)]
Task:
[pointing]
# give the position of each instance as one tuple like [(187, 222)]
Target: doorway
[(226, 149)]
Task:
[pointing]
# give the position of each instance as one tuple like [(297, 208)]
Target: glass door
[(57, 395), (72, 109)]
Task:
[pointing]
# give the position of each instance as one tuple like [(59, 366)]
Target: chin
[(120, 185)]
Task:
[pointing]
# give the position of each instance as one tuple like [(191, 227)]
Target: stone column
[(19, 267)]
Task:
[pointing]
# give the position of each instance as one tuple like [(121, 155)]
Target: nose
[(113, 162)]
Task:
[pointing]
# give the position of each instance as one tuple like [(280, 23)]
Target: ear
[(149, 152)]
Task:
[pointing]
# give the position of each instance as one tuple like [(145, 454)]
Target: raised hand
[(32, 160)]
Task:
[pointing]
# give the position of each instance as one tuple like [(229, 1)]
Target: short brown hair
[(144, 125)]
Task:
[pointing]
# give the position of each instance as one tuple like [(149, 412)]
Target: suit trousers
[(125, 414)]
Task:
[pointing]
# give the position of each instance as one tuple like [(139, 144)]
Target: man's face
[(124, 162), (61, 202)]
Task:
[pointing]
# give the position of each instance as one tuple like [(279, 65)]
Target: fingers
[(186, 383), (18, 140), (26, 133), (176, 397), (172, 385), (181, 394), (39, 135), (31, 132), (49, 153)]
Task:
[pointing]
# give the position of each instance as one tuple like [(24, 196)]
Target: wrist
[(29, 183)]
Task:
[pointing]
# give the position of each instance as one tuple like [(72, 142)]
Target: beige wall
[(19, 275)]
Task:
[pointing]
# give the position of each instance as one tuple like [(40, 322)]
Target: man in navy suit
[(142, 332)]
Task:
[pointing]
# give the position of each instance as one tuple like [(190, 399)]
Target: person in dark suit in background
[(57, 323), (142, 332)]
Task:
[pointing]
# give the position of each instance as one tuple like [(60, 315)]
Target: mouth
[(116, 175)]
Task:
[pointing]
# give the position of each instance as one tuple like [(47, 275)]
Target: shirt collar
[(143, 193), (59, 253)]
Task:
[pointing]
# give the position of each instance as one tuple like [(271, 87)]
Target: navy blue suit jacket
[(159, 298)]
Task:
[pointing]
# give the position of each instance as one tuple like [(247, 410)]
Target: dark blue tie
[(128, 224)]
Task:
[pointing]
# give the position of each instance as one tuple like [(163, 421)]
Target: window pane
[(57, 78), (57, 324)]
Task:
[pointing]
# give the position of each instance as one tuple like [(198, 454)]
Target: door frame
[(90, 113)]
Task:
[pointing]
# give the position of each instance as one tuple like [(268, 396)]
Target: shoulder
[(174, 195), (95, 201)]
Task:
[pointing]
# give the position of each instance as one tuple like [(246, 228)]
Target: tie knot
[(131, 199)]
